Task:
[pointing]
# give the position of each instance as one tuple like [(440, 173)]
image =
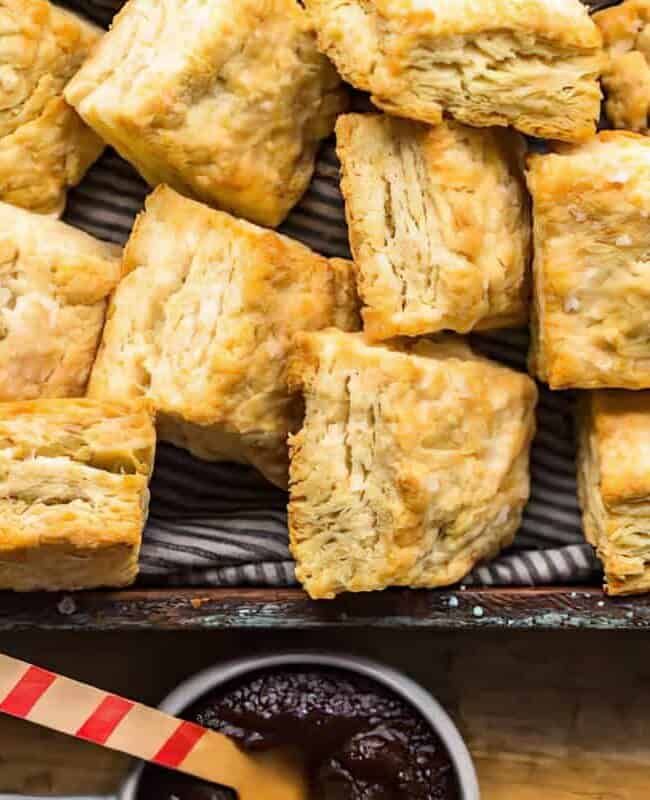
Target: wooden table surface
[(548, 716)]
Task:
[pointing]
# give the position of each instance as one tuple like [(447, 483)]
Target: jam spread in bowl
[(360, 741)]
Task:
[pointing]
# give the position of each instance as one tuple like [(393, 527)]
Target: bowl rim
[(205, 681)]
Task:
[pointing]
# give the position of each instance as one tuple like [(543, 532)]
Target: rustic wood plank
[(547, 717), (470, 609)]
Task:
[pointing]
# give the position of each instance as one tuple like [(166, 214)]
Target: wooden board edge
[(567, 608)]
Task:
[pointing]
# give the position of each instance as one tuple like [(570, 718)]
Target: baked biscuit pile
[(405, 453)]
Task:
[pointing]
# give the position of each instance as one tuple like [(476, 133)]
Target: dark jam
[(361, 742)]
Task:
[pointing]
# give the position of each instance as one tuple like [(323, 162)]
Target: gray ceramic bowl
[(204, 682)]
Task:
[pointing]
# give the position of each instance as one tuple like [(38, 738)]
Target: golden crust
[(44, 145), (439, 224), (621, 423), (614, 485), (412, 463), (474, 59), (54, 281), (73, 493), (202, 323), (591, 320), (225, 105), (626, 34)]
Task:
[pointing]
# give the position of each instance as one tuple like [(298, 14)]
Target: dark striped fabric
[(221, 524)]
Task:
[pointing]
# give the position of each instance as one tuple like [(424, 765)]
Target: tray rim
[(470, 609)]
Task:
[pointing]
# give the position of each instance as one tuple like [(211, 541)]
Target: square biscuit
[(626, 35), (530, 64), (411, 465), (591, 314), (226, 102), (614, 485), (202, 322), (54, 285), (44, 145), (439, 224), (74, 493)]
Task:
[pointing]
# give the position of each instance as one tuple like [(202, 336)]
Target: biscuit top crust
[(564, 21), (592, 233), (66, 262), (401, 360), (412, 377), (41, 48), (106, 436), (615, 161)]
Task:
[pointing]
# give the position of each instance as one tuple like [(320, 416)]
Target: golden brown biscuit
[(530, 64), (614, 485), (225, 102), (44, 145), (202, 323), (591, 316), (73, 493), (54, 282), (626, 34), (439, 224), (412, 463)]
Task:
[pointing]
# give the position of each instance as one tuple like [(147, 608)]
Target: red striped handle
[(79, 710)]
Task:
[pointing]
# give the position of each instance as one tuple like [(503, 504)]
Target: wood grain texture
[(547, 716), (184, 609)]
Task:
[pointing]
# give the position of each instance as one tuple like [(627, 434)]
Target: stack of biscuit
[(405, 453)]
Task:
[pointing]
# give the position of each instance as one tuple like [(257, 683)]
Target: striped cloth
[(221, 524)]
